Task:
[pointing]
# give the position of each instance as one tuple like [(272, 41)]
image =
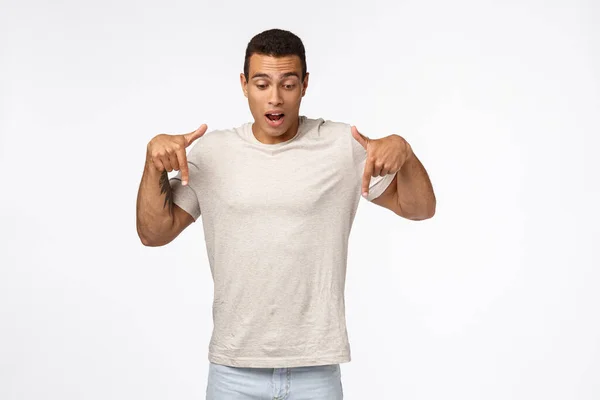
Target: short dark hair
[(276, 43)]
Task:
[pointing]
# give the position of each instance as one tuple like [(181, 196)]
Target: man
[(277, 198)]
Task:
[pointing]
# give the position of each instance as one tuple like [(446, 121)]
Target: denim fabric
[(322, 382)]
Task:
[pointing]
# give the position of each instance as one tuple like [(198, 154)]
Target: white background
[(496, 297)]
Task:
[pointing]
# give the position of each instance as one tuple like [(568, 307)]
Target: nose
[(275, 98)]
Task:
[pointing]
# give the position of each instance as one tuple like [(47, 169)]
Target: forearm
[(154, 210), (415, 192)]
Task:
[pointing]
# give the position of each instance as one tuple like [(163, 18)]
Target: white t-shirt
[(276, 220)]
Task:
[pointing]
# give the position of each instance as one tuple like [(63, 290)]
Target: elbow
[(418, 217), (432, 208), (426, 213), (429, 213), (147, 240), (151, 243)]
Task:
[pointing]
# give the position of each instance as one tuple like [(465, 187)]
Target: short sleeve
[(378, 184), (186, 197)]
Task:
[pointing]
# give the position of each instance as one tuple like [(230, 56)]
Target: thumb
[(363, 140), (190, 137)]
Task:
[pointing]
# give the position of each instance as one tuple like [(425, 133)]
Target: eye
[(261, 86), (290, 86)]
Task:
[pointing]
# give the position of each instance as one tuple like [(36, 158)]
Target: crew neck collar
[(253, 139)]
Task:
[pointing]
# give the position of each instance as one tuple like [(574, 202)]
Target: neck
[(269, 139)]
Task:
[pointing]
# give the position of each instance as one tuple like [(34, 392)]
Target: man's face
[(274, 87)]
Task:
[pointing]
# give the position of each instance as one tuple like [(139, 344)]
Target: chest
[(294, 183)]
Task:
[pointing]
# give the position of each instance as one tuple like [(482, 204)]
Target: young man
[(277, 198)]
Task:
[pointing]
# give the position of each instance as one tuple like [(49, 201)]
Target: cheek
[(256, 97), (294, 97), (253, 102)]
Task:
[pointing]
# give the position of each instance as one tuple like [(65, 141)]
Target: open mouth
[(274, 119)]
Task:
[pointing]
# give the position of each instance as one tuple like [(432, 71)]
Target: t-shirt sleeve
[(186, 197), (378, 184)]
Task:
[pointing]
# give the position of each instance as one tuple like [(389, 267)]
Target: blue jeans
[(322, 382)]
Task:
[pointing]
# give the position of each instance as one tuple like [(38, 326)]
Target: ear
[(305, 84), (244, 84)]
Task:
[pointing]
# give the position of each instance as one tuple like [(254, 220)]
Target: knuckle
[(157, 138)]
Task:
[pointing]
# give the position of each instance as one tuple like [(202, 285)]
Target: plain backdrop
[(494, 298)]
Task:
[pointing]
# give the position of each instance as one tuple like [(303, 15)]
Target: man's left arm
[(414, 192), (410, 194)]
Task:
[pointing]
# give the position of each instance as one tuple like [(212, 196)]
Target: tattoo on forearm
[(165, 187)]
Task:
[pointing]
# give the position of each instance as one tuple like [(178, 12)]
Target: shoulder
[(326, 128), (211, 143), (344, 130), (332, 126), (339, 132)]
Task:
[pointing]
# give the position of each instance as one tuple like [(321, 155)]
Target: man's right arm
[(159, 220)]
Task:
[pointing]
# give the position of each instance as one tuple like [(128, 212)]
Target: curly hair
[(277, 43)]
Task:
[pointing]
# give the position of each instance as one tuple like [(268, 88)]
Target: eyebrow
[(282, 76)]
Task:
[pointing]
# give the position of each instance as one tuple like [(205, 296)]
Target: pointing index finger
[(183, 167), (366, 179)]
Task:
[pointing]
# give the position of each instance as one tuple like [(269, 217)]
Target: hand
[(167, 152), (384, 156)]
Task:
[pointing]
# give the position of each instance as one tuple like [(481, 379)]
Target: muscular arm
[(410, 194), (165, 188), (159, 220)]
